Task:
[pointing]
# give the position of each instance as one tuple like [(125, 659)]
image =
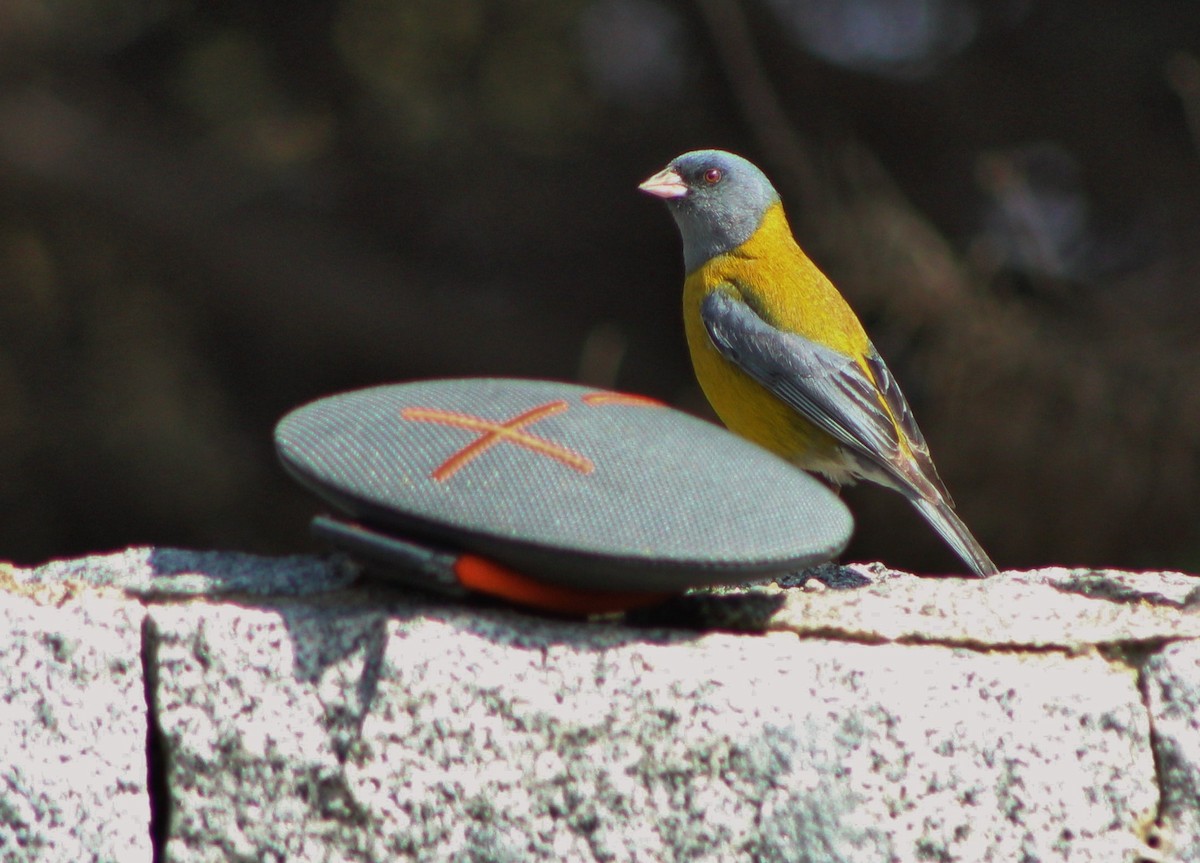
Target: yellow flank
[(772, 275)]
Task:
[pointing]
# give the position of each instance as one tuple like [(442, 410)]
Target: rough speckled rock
[(1050, 608), (494, 735), (73, 732), (166, 573), (868, 716)]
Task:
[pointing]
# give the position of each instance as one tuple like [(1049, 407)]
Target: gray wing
[(855, 406)]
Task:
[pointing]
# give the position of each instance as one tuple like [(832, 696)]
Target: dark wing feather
[(858, 408), (903, 414)]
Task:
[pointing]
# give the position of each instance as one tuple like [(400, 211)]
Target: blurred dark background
[(211, 212)]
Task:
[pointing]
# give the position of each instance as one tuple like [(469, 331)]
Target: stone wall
[(176, 706)]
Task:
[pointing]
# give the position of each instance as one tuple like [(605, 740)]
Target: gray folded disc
[(571, 485)]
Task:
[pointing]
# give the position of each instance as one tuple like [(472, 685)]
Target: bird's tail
[(952, 529)]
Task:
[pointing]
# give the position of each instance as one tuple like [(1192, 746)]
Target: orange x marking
[(621, 399), (492, 433)]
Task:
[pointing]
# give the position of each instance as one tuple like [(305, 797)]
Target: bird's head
[(718, 200)]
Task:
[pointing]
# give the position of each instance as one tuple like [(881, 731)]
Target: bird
[(779, 353)]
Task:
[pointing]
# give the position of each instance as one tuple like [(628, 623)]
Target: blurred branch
[(756, 96), (1183, 76)]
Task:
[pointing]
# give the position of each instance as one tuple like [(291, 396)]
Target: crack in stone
[(1111, 590), (1127, 653), (157, 778), (1153, 834)]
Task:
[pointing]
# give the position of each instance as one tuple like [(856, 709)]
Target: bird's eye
[(713, 176)]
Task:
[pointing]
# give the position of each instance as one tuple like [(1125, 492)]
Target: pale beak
[(665, 184)]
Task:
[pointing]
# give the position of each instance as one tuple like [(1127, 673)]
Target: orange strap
[(485, 576)]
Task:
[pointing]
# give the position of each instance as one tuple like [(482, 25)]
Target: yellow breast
[(774, 277)]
